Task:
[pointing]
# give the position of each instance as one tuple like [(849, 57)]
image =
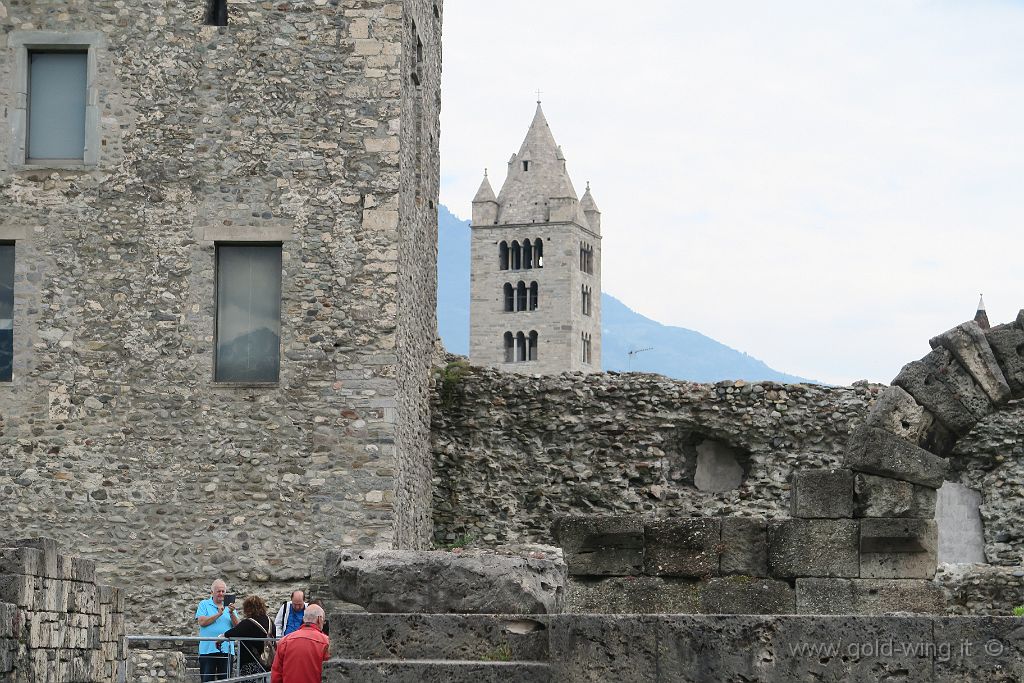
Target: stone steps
[(449, 648), (434, 671), (457, 637)]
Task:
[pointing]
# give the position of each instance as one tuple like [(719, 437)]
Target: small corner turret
[(591, 211), (485, 205)]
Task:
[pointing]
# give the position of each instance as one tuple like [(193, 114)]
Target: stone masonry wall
[(513, 453), (56, 624), (295, 124)]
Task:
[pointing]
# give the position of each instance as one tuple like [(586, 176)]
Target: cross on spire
[(538, 96)]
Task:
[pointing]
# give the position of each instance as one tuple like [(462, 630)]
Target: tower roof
[(485, 193), (981, 316), (536, 175), (587, 203)]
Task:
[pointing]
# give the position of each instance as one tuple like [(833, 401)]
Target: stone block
[(979, 649), (439, 636), (601, 546), (471, 582), (968, 344), (28, 561), (826, 494), (933, 382), (18, 590), (633, 595), (897, 412), (682, 547), (898, 548), (744, 546), (604, 648), (698, 648), (877, 451), (83, 570), (50, 553), (867, 649), (813, 547), (868, 596), (875, 496), (1006, 342), (747, 595)]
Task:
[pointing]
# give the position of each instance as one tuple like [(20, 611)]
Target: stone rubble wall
[(157, 666), (56, 623), (511, 453), (293, 124)]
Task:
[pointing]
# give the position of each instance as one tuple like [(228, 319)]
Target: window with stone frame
[(248, 335), (585, 338), (6, 311), (54, 118)]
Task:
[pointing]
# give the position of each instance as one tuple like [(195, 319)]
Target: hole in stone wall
[(718, 467), (961, 532), (706, 463), (1020, 350)]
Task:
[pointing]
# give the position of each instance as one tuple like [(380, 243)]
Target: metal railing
[(234, 663)]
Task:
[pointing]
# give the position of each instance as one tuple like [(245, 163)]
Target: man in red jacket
[(301, 654)]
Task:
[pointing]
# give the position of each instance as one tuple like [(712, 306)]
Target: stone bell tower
[(536, 266)]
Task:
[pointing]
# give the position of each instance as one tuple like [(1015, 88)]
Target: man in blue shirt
[(215, 618), (289, 617)]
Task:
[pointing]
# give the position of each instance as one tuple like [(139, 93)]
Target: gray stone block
[(471, 582), (989, 649), (877, 451), (896, 411), (875, 496), (813, 547), (1006, 342), (28, 561), (50, 554), (696, 648), (744, 546), (898, 548), (601, 546), (935, 382), (595, 648), (826, 494), (968, 344), (439, 636), (18, 590), (432, 671), (633, 595), (868, 596), (682, 547), (747, 595), (865, 649)]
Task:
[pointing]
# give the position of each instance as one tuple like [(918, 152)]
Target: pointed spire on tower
[(981, 317), (485, 193)]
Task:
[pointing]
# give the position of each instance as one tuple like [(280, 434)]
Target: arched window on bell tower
[(527, 255), (521, 296), (503, 256), (510, 298), (510, 349), (516, 255)]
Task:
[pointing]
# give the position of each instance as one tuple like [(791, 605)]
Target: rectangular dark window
[(6, 312), (56, 105), (248, 313)]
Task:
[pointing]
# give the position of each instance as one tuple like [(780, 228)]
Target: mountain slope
[(677, 352)]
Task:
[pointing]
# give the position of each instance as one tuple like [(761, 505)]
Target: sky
[(824, 185)]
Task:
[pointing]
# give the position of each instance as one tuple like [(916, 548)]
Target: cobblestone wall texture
[(56, 623), (513, 452), (301, 123)]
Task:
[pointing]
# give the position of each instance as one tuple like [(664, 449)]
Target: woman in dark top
[(255, 625)]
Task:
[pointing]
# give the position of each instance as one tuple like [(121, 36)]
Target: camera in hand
[(229, 599)]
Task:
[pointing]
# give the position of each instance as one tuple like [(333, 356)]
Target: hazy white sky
[(822, 184)]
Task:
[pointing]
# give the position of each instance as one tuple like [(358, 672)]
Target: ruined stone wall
[(512, 453), (291, 125), (56, 623)]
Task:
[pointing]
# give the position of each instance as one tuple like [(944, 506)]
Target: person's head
[(298, 600), (217, 591), (253, 606), (314, 615)]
